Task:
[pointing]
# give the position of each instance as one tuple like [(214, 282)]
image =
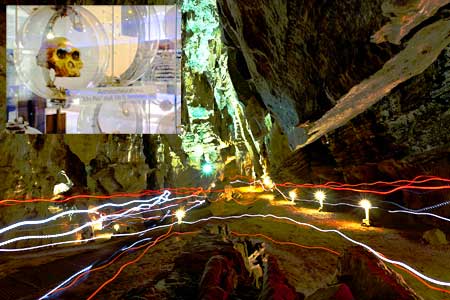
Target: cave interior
[(313, 162)]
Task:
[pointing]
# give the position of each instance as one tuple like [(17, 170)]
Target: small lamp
[(367, 206), (320, 196)]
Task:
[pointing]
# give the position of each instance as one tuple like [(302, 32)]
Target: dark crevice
[(150, 145)]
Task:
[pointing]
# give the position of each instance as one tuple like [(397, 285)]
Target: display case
[(94, 69)]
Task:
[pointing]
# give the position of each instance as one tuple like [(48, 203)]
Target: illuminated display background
[(140, 86)]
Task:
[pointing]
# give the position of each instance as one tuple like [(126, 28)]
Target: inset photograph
[(94, 69)]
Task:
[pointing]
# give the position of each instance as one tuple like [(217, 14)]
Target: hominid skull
[(60, 55)]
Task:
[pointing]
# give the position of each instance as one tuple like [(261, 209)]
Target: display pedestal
[(55, 123)]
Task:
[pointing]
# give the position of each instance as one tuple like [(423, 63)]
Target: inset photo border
[(93, 69)]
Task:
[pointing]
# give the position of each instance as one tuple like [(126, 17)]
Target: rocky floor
[(175, 267)]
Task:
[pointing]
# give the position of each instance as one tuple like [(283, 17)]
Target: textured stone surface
[(275, 285), (435, 237), (299, 57), (218, 280), (292, 67), (336, 292), (405, 15), (370, 279), (421, 51)]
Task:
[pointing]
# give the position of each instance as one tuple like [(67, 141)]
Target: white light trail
[(88, 268), (419, 214), (164, 195), (383, 258), (66, 281), (163, 198), (200, 202)]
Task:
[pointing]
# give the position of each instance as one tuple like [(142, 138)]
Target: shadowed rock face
[(303, 55), (294, 59), (299, 57), (369, 278)]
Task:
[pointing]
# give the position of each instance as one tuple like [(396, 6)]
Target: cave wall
[(253, 72), (301, 56), (107, 164), (297, 58)]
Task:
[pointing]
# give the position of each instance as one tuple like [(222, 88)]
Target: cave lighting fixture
[(267, 182), (320, 196), (367, 206), (180, 214), (293, 195), (207, 168)]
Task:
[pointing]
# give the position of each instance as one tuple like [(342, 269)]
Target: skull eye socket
[(61, 53), (76, 55)]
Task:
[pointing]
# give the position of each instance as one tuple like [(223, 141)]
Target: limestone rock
[(370, 279), (405, 15), (218, 280), (336, 292), (285, 51), (435, 237), (275, 284)]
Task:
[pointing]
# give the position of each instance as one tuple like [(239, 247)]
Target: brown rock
[(219, 278), (370, 279), (275, 284), (336, 292), (435, 237)]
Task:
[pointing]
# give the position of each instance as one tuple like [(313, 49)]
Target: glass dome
[(115, 118), (60, 48), (145, 20)]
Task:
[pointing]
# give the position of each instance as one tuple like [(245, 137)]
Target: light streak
[(349, 187), (184, 190), (157, 201), (81, 211), (37, 222), (49, 245), (423, 281), (394, 183), (320, 195), (66, 281), (79, 229), (390, 191), (420, 214), (429, 207), (286, 243), (190, 190), (406, 211), (87, 269), (161, 199), (153, 228), (377, 254), (151, 245)]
